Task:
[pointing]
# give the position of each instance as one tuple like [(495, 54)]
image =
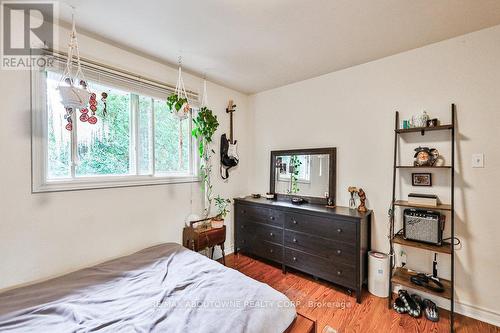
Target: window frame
[(39, 150)]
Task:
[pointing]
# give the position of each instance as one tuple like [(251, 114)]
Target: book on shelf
[(423, 199)]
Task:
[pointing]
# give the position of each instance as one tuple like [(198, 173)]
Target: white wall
[(43, 235), (353, 110)]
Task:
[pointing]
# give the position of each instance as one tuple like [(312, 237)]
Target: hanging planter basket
[(73, 96), (178, 103)]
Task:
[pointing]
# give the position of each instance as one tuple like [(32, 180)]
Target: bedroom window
[(304, 175), (138, 142)]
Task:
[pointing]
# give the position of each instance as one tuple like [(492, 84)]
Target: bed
[(164, 288)]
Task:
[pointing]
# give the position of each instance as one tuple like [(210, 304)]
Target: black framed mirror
[(309, 174)]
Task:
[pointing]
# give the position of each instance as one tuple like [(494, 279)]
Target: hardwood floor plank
[(330, 305)]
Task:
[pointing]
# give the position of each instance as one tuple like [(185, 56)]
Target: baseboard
[(478, 313)]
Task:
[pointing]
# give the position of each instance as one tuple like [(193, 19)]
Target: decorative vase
[(352, 203), (420, 120), (217, 223)]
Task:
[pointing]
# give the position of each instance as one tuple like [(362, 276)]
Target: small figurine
[(425, 156), (362, 198)]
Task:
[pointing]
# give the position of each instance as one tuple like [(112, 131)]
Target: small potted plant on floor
[(222, 209)]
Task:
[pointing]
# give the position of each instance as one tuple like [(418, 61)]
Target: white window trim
[(39, 166)]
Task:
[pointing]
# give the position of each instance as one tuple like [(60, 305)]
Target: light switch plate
[(478, 160)]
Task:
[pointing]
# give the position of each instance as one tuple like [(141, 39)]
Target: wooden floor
[(331, 305)]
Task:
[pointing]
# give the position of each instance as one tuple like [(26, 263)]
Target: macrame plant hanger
[(72, 96), (183, 112)]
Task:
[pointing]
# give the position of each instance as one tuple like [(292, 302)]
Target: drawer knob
[(339, 230), (271, 234), (271, 218), (294, 221), (339, 272), (244, 211), (294, 259), (295, 240), (271, 250), (244, 241), (339, 251), (242, 227)]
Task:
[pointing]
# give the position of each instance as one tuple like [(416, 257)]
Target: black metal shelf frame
[(397, 132)]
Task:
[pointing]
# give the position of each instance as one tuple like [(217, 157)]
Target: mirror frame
[(332, 186)]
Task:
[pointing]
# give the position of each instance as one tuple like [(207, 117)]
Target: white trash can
[(378, 274)]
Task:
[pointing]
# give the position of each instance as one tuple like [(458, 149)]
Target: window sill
[(104, 182)]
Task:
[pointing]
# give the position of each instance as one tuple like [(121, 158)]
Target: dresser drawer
[(336, 251), (260, 214), (342, 274), (267, 250), (327, 227), (261, 231)]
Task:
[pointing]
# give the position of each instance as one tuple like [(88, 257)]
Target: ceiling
[(252, 46)]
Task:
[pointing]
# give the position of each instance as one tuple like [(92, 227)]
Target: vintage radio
[(423, 226)]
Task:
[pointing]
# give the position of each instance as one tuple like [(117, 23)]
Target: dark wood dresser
[(328, 243)]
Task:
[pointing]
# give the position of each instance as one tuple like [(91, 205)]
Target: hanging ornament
[(68, 117), (93, 107), (104, 96), (178, 103)]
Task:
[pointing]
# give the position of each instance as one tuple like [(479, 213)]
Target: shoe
[(431, 310), (399, 306), (418, 300), (412, 307)]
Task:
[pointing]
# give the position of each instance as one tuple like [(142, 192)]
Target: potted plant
[(222, 210), (178, 105), (204, 126)]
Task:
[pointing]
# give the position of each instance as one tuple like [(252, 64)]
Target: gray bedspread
[(165, 288)]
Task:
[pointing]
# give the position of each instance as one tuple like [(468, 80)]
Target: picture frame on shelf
[(421, 179)]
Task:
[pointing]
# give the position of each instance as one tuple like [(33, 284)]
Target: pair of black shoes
[(413, 305)]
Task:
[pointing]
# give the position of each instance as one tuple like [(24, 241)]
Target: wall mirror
[(304, 173)]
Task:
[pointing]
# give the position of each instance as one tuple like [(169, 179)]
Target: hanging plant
[(174, 103), (178, 103), (204, 126)]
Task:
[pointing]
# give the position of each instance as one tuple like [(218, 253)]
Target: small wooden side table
[(198, 239)]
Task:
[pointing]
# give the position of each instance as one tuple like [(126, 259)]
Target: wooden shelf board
[(405, 203), (422, 167), (445, 248), (424, 129), (402, 276)]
